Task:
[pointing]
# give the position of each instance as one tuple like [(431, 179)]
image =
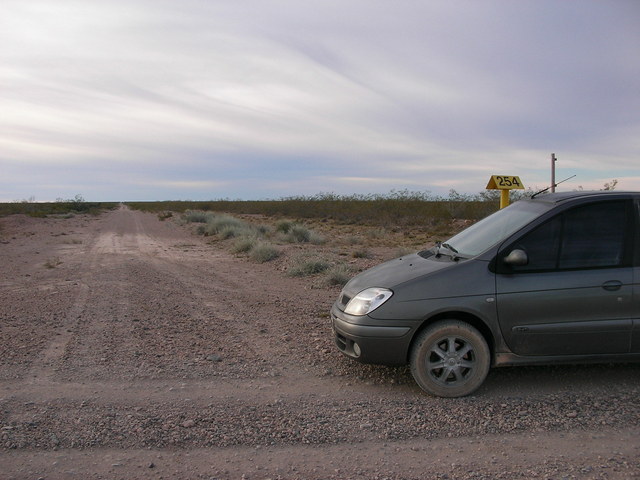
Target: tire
[(450, 359)]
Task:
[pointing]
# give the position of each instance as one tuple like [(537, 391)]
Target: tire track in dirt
[(492, 457), (226, 303), (130, 280), (44, 367), (146, 310)]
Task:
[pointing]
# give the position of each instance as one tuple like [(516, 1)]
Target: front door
[(635, 339), (575, 294)]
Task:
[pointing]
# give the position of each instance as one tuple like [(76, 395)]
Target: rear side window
[(594, 236), (590, 236)]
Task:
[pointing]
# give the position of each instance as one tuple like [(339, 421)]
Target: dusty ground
[(131, 348)]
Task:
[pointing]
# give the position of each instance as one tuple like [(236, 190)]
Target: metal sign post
[(553, 172), (504, 183)]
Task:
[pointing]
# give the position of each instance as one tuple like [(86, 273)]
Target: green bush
[(397, 208), (353, 240), (233, 231), (364, 253), (196, 217), (305, 266), (217, 223), (377, 233), (299, 234), (62, 207), (338, 275), (283, 226), (264, 252), (316, 239), (262, 230), (244, 245), (296, 233)]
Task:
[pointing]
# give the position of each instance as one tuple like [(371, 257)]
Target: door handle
[(612, 285)]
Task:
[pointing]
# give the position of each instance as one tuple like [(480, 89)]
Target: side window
[(591, 236), (542, 246)]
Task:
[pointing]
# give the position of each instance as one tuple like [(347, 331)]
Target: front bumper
[(371, 341)]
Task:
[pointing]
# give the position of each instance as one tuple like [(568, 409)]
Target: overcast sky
[(263, 99)]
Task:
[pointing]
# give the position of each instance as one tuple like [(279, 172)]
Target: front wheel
[(450, 359)]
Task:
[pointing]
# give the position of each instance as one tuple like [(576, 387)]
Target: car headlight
[(367, 301)]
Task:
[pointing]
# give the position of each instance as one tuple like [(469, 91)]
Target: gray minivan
[(554, 278)]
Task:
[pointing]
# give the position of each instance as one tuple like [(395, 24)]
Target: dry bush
[(307, 265), (264, 252)]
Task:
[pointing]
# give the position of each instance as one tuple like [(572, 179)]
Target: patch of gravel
[(148, 344), (232, 422)]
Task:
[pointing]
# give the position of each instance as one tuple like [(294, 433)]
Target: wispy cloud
[(263, 99)]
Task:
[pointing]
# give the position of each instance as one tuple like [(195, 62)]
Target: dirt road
[(131, 348)]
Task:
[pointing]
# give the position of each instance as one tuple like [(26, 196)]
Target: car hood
[(396, 272)]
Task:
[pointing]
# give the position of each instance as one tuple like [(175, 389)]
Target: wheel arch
[(462, 316)]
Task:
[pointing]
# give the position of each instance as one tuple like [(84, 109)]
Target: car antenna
[(554, 185)]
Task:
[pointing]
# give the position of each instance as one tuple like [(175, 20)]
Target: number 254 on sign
[(504, 182)]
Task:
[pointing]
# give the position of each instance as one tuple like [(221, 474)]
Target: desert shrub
[(262, 230), (206, 229), (398, 208), (308, 265), (338, 275), (353, 240), (363, 253), (377, 233), (233, 231), (299, 234), (225, 226), (244, 245), (42, 210), (218, 223), (283, 226), (228, 232), (196, 217), (264, 252), (316, 239)]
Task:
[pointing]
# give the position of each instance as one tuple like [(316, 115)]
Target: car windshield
[(496, 227)]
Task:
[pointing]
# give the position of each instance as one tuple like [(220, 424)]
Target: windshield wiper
[(448, 246), (454, 253)]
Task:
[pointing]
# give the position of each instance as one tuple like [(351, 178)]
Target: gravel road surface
[(133, 349)]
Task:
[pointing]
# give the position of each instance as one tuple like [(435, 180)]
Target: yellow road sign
[(504, 182)]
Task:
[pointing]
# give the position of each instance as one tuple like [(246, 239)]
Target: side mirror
[(517, 258)]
